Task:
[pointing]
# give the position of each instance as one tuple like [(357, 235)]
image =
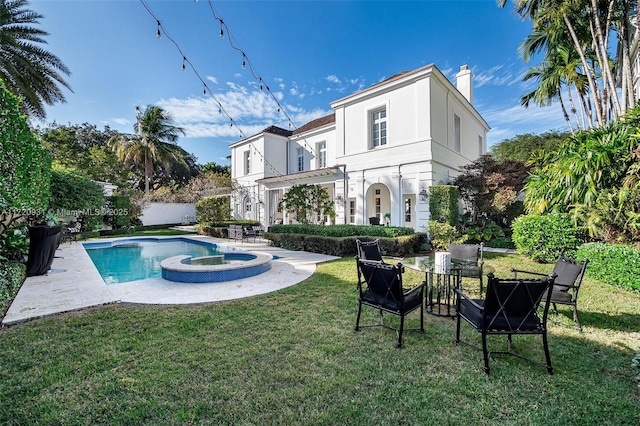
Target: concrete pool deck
[(74, 283)]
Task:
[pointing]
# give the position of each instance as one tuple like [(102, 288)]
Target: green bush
[(544, 237), (401, 246), (613, 264), (118, 211), (74, 194), (342, 230), (212, 211), (12, 274), (25, 166), (441, 234), (443, 204), (14, 243)]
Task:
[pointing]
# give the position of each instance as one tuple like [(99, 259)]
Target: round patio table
[(441, 299)]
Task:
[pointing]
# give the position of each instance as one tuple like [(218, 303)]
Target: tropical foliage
[(28, 70), (153, 150), (576, 38), (592, 175), (25, 169), (310, 204), (74, 195)]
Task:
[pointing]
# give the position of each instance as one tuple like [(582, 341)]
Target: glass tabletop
[(428, 264)]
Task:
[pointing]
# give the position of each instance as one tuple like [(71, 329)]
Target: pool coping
[(73, 283)]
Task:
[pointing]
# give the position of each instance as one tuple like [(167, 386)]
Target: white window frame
[(407, 209), (321, 150), (457, 133), (300, 156), (378, 120), (247, 162), (480, 144)]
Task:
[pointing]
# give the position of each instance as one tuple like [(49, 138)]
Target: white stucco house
[(378, 153)]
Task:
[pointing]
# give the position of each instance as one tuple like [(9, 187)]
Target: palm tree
[(154, 144), (28, 70)]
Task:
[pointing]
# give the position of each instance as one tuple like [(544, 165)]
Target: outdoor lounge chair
[(473, 254), (510, 307), (565, 290), (369, 250), (380, 287)]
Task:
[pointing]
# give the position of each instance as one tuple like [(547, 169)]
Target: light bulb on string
[(204, 91), (184, 67), (158, 33), (219, 110), (243, 61), (221, 30)]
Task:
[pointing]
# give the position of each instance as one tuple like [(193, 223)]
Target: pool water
[(134, 260)]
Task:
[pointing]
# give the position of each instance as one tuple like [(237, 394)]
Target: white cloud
[(514, 120), (121, 121), (212, 79), (333, 79)]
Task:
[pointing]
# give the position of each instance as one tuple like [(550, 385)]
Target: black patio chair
[(510, 307), (565, 289), (369, 250), (380, 287), (472, 253)]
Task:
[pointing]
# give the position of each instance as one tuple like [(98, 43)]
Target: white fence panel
[(168, 213)]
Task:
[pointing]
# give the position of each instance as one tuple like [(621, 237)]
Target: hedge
[(12, 274), (342, 230), (544, 237), (613, 264), (401, 246)]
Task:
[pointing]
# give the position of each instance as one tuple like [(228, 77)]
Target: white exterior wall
[(420, 149), (168, 213)]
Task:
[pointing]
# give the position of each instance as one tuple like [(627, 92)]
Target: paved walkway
[(74, 283)]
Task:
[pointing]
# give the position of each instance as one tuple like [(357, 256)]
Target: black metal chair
[(510, 307), (473, 254), (565, 289), (380, 287), (369, 250)]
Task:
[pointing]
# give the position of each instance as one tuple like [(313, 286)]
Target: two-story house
[(376, 155)]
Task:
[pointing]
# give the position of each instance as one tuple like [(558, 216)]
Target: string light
[(161, 30), (247, 62)]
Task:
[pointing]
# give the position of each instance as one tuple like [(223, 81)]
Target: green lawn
[(292, 357)]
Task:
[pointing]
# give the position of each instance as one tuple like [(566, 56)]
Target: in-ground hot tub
[(207, 269)]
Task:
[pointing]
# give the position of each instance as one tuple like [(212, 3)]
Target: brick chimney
[(463, 83)]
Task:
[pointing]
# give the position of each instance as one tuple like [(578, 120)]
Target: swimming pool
[(134, 259)]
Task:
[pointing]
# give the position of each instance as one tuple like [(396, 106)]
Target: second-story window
[(247, 162), (456, 133), (379, 127), (300, 160), (321, 149)]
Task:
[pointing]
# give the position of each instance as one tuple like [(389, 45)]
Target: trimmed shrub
[(74, 194), (544, 237), (443, 204), (613, 264), (12, 274), (213, 211), (402, 246), (342, 230)]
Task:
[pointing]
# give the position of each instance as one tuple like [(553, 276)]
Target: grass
[(292, 357)]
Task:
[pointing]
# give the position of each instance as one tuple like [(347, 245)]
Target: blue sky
[(309, 53)]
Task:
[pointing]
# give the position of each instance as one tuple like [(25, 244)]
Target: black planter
[(43, 242)]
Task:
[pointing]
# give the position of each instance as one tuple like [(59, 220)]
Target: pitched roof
[(318, 122), (275, 130)]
